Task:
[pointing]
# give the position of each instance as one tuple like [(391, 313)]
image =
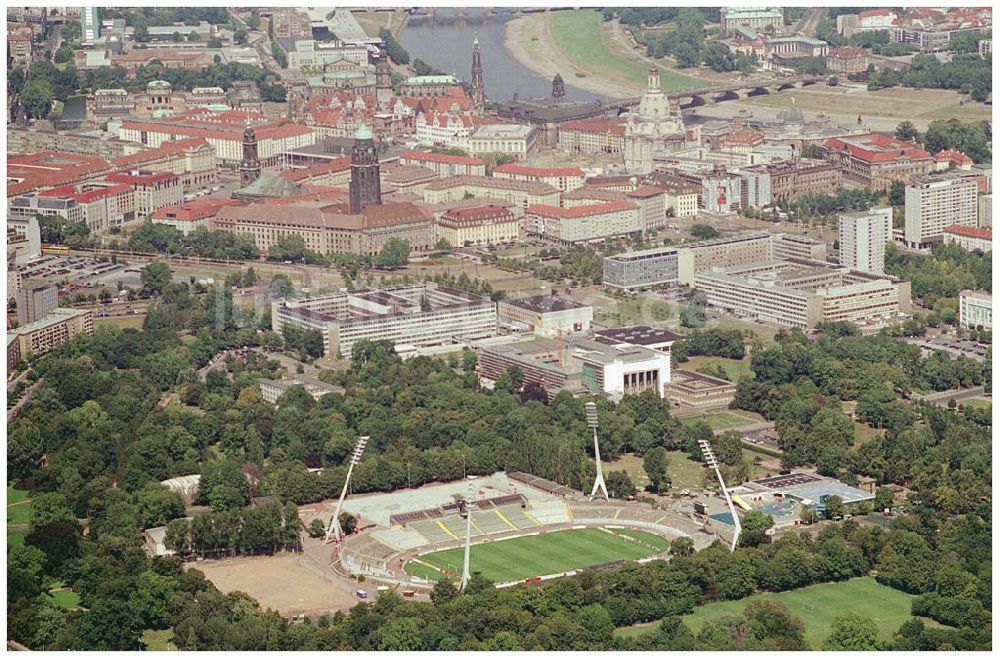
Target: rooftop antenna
[(333, 531), (599, 481), (713, 462), (467, 511)]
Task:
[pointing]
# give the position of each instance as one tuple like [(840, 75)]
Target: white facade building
[(933, 205), (863, 237)]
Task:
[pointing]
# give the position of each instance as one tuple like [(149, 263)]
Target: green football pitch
[(539, 555)]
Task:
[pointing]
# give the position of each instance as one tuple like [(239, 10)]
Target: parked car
[(362, 594)]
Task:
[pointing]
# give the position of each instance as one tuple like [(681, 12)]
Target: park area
[(539, 555), (816, 606)]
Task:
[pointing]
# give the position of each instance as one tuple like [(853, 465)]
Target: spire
[(654, 76), (558, 87), (478, 89)]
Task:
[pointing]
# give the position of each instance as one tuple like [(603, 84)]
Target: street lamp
[(713, 463), (599, 481), (333, 531)]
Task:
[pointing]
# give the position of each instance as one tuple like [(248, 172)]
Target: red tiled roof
[(969, 232), (595, 126), (477, 212), (165, 149), (580, 211), (951, 155), (334, 166), (645, 191), (196, 209), (70, 192), (50, 169), (144, 178), (871, 13), (847, 53), (876, 147), (538, 172), (746, 137), (425, 156)]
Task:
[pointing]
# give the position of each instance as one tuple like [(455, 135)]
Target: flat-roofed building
[(639, 335), (795, 46), (803, 293), (932, 205), (581, 366), (863, 237), (582, 223), (691, 389), (791, 246), (35, 302), (970, 238), (416, 315), (725, 252), (975, 310), (659, 266), (59, 326), (546, 315), (479, 225)]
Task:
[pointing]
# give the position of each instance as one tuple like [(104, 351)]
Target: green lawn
[(723, 420), (19, 513), (735, 368), (538, 555), (158, 640), (15, 496), (985, 403), (579, 36), (66, 599), (621, 313), (816, 606), (15, 538)]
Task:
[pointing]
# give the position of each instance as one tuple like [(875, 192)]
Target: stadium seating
[(401, 538), (431, 530), (489, 522), (516, 516), (550, 512)]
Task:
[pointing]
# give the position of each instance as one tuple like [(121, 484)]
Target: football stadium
[(521, 528)]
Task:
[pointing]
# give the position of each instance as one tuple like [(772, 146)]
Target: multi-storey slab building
[(659, 266), (546, 315), (863, 237), (802, 293), (583, 223), (580, 366), (932, 205), (44, 334), (418, 315), (975, 310)]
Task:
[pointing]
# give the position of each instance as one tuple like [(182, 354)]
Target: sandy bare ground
[(529, 40), (288, 583)]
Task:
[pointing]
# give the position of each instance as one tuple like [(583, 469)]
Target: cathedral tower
[(478, 90), (366, 186), (383, 81), (250, 167), (558, 87)]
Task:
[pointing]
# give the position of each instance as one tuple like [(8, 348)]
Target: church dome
[(363, 132), (793, 116)]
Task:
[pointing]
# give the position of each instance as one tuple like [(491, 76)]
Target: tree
[(37, 98), (682, 546), (834, 506), (25, 572), (704, 231), (395, 254), (655, 462), (241, 36), (443, 592), (853, 632), (883, 499), (620, 486), (316, 528), (156, 276), (907, 131), (755, 526), (193, 36), (442, 245)]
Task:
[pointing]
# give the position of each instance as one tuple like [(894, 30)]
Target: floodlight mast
[(333, 531), (599, 485), (466, 574), (713, 462)]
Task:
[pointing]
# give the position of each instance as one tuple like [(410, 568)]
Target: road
[(941, 399), (806, 26)]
